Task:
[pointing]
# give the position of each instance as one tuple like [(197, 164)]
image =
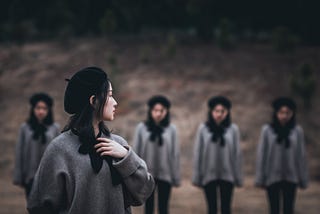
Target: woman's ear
[(92, 100)]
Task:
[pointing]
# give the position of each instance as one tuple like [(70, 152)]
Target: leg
[(289, 193), (164, 190), (211, 196), (149, 206), (274, 198), (226, 191)]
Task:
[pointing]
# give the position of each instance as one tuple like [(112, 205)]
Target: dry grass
[(251, 76)]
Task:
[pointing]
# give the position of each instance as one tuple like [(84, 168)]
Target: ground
[(251, 76)]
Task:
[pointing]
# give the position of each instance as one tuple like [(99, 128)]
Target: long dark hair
[(156, 130), (283, 131), (39, 129), (81, 122), (218, 130)]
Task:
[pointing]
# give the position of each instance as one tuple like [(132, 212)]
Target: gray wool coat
[(29, 152), (276, 163), (66, 183), (215, 162), (163, 161)]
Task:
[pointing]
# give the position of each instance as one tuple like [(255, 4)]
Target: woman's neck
[(95, 125)]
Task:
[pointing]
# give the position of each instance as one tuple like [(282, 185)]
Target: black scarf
[(283, 133), (156, 133), (96, 160), (39, 131), (218, 131)]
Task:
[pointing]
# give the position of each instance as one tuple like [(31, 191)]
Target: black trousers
[(281, 190), (164, 190), (226, 190)]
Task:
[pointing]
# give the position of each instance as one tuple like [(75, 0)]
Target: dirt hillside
[(251, 76)]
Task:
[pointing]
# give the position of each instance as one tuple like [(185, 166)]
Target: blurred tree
[(224, 34), (283, 40), (303, 83)]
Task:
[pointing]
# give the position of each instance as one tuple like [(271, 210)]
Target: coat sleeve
[(18, 166), (261, 159), (302, 161), (238, 159), (48, 194), (138, 183), (197, 154), (137, 140), (176, 159)]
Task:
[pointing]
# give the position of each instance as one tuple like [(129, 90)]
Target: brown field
[(251, 75)]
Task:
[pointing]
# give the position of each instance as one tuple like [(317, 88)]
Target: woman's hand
[(108, 147)]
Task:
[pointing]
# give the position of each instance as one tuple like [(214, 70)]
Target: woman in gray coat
[(34, 137), (281, 157), (156, 142), (87, 169), (217, 156)]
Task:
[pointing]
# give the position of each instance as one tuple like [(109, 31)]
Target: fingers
[(108, 147)]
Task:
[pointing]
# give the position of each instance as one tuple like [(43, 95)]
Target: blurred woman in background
[(281, 158), (217, 156), (34, 136), (156, 142)]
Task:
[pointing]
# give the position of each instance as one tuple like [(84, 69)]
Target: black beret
[(35, 98), (81, 87), (284, 101), (213, 101), (159, 99)]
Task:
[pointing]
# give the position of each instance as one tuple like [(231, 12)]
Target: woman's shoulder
[(266, 127), (64, 142), (172, 126), (56, 125), (24, 125), (234, 127), (141, 126), (298, 128)]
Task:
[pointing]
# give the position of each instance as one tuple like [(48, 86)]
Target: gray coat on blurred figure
[(29, 152), (163, 160), (276, 163), (212, 161)]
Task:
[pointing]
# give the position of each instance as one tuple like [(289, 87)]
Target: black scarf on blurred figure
[(39, 131), (156, 132), (96, 160), (283, 132), (218, 131)]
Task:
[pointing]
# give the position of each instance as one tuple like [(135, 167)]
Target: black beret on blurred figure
[(159, 99), (213, 101), (41, 97), (81, 87), (284, 101)]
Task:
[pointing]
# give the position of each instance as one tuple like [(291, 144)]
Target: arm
[(197, 154), (48, 194), (138, 183), (238, 159), (176, 159), (137, 141), (18, 167), (261, 159), (302, 161)]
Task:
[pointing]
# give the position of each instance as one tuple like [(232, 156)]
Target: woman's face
[(109, 106), (284, 114), (219, 113), (158, 113), (41, 111)]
